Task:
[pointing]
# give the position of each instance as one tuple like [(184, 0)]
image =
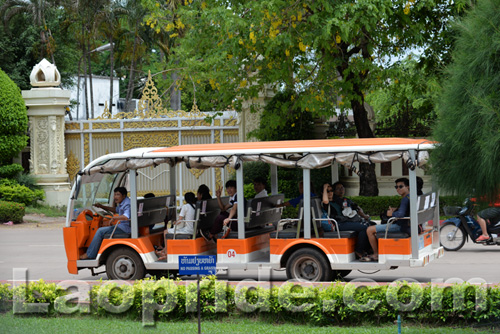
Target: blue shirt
[(403, 211), (404, 208), (123, 209), (295, 201)]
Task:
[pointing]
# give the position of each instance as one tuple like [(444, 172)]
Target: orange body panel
[(141, 245), (402, 246), (329, 246), (70, 244), (394, 246), (243, 246), (197, 246)]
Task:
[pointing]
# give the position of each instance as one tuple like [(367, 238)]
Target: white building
[(101, 96)]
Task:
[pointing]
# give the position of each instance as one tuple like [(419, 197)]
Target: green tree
[(36, 11), (468, 128), (284, 120), (13, 123), (404, 105), (319, 50)]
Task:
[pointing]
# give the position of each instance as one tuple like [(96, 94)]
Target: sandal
[(369, 258), (482, 238), (161, 253)]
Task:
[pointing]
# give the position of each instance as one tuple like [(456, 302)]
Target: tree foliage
[(13, 120), (284, 120), (404, 105), (318, 50), (468, 128)]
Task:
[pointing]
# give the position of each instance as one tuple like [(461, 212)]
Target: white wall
[(101, 95)]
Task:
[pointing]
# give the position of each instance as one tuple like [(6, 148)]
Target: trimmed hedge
[(10, 211), (13, 120), (336, 303), (374, 206), (12, 191)]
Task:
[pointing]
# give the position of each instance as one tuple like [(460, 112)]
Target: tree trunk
[(85, 85), (130, 88), (91, 84), (175, 94), (367, 180)]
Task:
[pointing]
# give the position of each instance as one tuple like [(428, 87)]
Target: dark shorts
[(492, 214)]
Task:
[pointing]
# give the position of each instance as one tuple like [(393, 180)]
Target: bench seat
[(248, 233), (178, 236), (393, 235), (117, 235), (291, 233)]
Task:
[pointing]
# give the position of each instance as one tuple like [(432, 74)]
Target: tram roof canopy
[(310, 154)]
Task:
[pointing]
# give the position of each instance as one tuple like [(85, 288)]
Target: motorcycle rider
[(490, 216)]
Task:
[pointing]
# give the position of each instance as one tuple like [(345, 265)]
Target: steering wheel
[(106, 214)]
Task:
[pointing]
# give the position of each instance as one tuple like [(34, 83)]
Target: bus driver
[(123, 210)]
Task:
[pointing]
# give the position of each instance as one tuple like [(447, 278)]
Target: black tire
[(452, 238), (125, 264), (340, 274), (310, 265)]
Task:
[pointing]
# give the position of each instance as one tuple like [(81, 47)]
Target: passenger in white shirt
[(183, 225), (259, 184)]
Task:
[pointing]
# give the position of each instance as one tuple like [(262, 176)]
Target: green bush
[(10, 171), (10, 211), (330, 304), (11, 191), (27, 180), (13, 120), (374, 206)]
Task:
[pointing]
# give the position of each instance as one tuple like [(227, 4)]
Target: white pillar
[(46, 104)]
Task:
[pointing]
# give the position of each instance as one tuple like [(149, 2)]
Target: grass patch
[(46, 210), (10, 323)]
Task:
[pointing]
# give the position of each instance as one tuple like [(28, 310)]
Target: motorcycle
[(455, 231)]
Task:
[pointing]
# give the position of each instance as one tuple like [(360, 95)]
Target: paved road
[(41, 250)]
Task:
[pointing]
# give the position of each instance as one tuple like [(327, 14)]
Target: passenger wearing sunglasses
[(401, 225), (349, 216)]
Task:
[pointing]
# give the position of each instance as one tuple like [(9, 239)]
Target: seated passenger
[(123, 210), (487, 216), (259, 185), (401, 225), (344, 207), (225, 216), (296, 201), (203, 193), (183, 225), (332, 196)]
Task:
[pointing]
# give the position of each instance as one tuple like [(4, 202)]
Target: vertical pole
[(274, 179), (199, 312), (335, 172), (307, 203), (241, 201), (132, 176), (413, 208), (173, 185)]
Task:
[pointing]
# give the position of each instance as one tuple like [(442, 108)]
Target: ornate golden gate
[(151, 125)]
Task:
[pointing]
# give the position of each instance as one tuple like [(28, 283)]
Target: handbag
[(326, 223)]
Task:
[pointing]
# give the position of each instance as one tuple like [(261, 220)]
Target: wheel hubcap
[(308, 269), (124, 268)]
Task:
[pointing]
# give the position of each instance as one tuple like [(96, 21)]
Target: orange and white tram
[(264, 238)]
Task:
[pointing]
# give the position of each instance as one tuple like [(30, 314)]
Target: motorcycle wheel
[(452, 238)]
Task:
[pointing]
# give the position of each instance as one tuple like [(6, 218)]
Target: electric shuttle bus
[(264, 238)]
